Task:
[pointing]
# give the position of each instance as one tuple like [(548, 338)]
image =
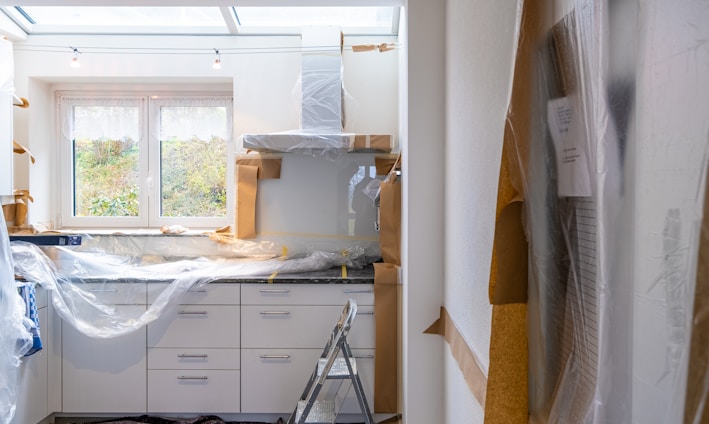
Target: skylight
[(200, 20)]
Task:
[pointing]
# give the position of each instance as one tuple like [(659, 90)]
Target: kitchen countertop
[(335, 275)]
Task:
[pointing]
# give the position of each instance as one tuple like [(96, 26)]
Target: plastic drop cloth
[(15, 338), (77, 305), (612, 160)]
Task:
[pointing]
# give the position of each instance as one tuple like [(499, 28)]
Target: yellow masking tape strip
[(271, 277), (344, 271)]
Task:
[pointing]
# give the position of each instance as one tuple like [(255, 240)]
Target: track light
[(218, 60), (75, 60)]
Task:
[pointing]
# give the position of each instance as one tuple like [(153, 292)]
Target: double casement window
[(145, 161)]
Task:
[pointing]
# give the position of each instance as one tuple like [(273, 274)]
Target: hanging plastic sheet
[(15, 337), (67, 280)]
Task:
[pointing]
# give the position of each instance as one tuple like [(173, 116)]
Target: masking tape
[(468, 362), (344, 271), (271, 277)]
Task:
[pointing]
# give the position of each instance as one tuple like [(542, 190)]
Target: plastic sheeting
[(609, 342), (15, 338), (68, 277)]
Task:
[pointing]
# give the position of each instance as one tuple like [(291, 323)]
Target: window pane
[(105, 160), (193, 154)]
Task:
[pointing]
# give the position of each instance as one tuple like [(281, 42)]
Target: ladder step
[(338, 369), (323, 411)]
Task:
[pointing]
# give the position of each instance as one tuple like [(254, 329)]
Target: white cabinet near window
[(285, 327), (106, 375), (193, 353)]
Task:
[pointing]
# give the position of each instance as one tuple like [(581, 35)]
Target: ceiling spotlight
[(218, 60), (75, 60)]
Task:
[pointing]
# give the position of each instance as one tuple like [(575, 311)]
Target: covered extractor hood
[(322, 105)]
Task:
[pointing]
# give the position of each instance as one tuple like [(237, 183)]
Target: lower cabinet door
[(365, 367), (272, 380), (104, 375), (193, 391), (32, 381)]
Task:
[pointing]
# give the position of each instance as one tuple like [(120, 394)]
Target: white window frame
[(149, 163)]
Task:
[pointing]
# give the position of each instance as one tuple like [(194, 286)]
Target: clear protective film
[(15, 337), (76, 279), (580, 312), (613, 211)]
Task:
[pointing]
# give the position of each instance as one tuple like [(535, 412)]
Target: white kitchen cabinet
[(284, 330), (106, 375), (32, 383), (193, 353)]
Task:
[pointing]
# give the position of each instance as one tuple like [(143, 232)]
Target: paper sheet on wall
[(574, 179)]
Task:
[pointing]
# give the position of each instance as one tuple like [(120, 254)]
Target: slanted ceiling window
[(366, 20)]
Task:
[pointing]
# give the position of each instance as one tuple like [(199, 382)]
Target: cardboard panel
[(246, 188)]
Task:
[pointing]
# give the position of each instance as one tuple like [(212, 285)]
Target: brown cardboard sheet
[(509, 274), (696, 410), (246, 189), (390, 216), (20, 149), (386, 361), (267, 167), (467, 361), (384, 165)]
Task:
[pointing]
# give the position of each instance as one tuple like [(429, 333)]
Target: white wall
[(480, 45), (262, 85)]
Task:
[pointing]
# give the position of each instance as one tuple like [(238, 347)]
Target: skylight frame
[(229, 24)]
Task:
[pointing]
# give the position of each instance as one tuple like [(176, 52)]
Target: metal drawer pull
[(195, 377), (274, 356), (274, 291), (364, 356), (365, 313), (190, 355), (103, 290), (192, 313), (358, 291), (197, 290), (274, 313)]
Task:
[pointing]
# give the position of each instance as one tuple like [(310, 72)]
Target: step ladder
[(335, 363)]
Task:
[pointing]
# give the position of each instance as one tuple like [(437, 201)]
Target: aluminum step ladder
[(335, 363)]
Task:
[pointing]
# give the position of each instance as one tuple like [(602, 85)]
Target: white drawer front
[(193, 359), (302, 327), (209, 294), (115, 293), (41, 297), (272, 380), (198, 391), (306, 294), (196, 326)]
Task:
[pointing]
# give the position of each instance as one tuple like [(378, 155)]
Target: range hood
[(322, 104)]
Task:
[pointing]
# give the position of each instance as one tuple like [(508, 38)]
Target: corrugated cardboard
[(390, 217), (246, 189), (371, 143)]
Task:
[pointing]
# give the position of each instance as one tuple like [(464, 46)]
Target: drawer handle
[(364, 356), (358, 291), (197, 290), (193, 377), (274, 313), (274, 356), (274, 291), (365, 313), (191, 355), (192, 313), (103, 290)]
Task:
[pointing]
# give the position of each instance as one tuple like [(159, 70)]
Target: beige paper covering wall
[(386, 363), (246, 189), (267, 167), (507, 399)]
